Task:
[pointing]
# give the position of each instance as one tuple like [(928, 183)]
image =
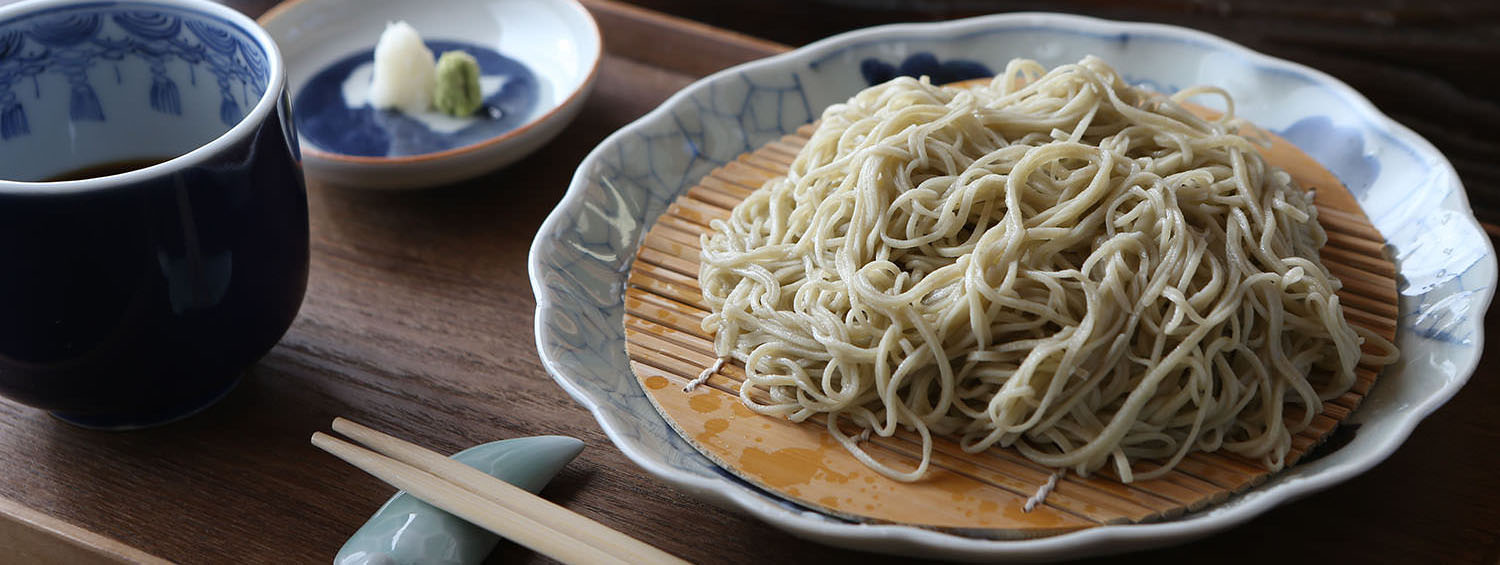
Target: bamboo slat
[(978, 493)]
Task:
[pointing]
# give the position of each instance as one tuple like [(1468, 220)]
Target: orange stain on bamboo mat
[(656, 383), (739, 409), (706, 403), (837, 478), (783, 467), (713, 428), (667, 316), (957, 487)]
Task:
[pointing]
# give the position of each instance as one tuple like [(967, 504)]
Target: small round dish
[(581, 254), (538, 60)]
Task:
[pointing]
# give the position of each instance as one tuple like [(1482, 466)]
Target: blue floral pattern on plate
[(921, 64), (582, 253), (69, 42)]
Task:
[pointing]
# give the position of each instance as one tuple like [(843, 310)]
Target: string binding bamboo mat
[(978, 494)]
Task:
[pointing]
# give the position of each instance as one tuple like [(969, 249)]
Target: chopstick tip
[(346, 426)]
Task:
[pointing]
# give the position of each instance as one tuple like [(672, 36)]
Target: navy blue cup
[(139, 297)]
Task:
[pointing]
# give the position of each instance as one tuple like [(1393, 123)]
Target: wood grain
[(418, 321), (30, 536), (973, 492)]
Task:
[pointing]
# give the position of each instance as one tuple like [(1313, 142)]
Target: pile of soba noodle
[(1056, 262)]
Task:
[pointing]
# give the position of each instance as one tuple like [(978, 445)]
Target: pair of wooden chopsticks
[(485, 501)]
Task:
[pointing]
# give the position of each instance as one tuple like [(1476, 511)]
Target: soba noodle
[(1056, 262)]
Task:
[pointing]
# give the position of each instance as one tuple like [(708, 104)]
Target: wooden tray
[(418, 320), (981, 494)]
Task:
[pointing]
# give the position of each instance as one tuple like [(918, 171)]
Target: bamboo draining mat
[(983, 493)]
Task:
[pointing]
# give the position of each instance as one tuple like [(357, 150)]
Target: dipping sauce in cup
[(153, 215)]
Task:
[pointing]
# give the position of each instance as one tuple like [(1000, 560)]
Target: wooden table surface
[(418, 321)]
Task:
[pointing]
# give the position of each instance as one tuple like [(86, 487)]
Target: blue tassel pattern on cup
[(164, 95), (83, 104), (12, 120), (12, 114), (72, 41), (229, 110)]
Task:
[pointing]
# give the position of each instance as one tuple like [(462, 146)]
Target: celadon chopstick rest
[(408, 531)]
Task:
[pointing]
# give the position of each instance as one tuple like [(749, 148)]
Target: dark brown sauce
[(106, 169)]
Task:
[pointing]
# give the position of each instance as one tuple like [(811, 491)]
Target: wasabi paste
[(457, 91)]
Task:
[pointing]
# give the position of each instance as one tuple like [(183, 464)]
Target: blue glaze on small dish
[(329, 123), (407, 531), (556, 40)]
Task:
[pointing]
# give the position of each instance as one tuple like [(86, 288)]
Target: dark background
[(1433, 65)]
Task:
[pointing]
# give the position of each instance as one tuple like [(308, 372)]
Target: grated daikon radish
[(404, 71)]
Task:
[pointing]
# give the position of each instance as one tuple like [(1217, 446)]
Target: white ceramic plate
[(581, 255), (538, 59)]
